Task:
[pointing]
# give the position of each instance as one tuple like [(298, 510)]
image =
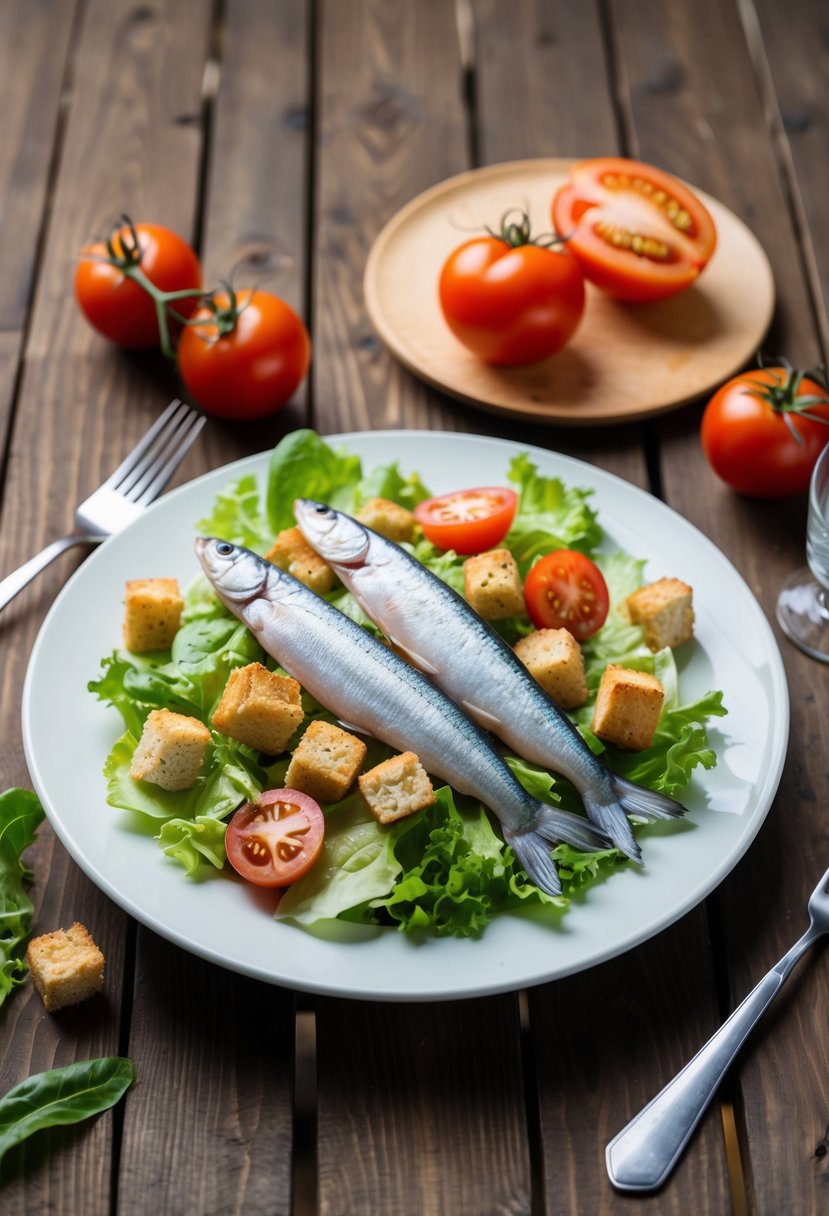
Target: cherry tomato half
[(245, 357), (761, 432), (468, 521), (511, 304), (565, 590), (117, 306), (636, 231), (275, 841)]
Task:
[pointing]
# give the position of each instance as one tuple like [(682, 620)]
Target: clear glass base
[(803, 614)]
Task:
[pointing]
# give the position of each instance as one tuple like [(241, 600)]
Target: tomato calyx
[(224, 316), (518, 233), (782, 394)]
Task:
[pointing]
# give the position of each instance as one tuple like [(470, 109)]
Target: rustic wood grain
[(696, 105), (34, 41), (418, 1109)]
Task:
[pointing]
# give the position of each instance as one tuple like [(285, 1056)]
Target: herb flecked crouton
[(627, 708), (170, 751), (325, 762), (492, 584), (259, 708), (665, 611), (395, 788), (291, 552), (388, 518), (66, 966), (153, 608), (554, 658)]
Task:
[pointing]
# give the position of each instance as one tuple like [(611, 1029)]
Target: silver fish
[(365, 684), (464, 655)]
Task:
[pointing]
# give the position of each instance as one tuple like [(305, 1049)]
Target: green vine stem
[(783, 395)]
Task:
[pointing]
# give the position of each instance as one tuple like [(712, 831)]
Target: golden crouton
[(170, 751), (325, 762), (627, 708), (153, 614), (388, 518), (493, 584), (291, 552), (66, 966), (665, 611), (554, 658), (396, 788), (260, 708)]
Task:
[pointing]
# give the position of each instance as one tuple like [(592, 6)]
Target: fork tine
[(133, 482), (156, 478), (129, 462)]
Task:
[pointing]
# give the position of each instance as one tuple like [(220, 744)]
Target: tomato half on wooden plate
[(566, 590), (276, 840), (468, 521), (637, 232)]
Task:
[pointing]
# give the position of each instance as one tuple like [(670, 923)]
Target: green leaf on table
[(20, 816), (62, 1096)]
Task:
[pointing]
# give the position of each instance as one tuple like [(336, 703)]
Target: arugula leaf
[(20, 816), (61, 1096)]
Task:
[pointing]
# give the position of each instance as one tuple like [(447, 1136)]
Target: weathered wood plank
[(414, 1109), (34, 42), (696, 106), (136, 74)]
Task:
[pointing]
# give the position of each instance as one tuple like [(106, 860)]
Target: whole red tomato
[(637, 232), (242, 356), (108, 282), (511, 301), (763, 431)]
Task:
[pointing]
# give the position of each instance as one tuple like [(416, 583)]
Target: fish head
[(337, 538), (237, 575)]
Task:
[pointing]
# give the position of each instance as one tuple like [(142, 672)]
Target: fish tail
[(644, 803), (608, 813), (554, 825), (534, 855)]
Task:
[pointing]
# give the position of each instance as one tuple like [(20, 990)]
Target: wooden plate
[(624, 362)]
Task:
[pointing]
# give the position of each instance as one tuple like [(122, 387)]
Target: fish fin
[(418, 660), (534, 855), (357, 730), (647, 804), (610, 817), (554, 825), (487, 720)]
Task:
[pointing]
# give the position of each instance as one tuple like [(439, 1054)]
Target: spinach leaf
[(62, 1095), (20, 815)]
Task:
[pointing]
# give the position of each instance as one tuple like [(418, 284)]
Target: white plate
[(68, 733)]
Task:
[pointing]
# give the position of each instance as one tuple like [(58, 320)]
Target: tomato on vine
[(124, 285), (509, 298), (763, 431), (243, 354)]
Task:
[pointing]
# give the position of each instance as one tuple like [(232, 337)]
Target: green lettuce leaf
[(303, 465), (237, 516), (192, 842), (20, 816), (549, 515)]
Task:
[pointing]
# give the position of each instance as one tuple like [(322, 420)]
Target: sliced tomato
[(468, 521), (637, 232), (276, 840), (565, 590)]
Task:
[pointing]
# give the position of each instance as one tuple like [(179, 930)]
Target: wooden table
[(286, 132)]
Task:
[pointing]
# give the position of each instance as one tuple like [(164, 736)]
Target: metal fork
[(644, 1152), (137, 481)]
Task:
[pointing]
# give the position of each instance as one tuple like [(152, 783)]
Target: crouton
[(388, 518), (153, 614), (627, 708), (554, 658), (665, 611), (170, 751), (292, 553), (66, 966), (325, 762), (396, 788), (493, 584), (260, 708)]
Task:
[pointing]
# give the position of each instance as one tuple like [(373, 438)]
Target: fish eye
[(224, 548), (321, 509)]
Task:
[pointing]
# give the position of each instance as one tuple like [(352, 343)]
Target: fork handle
[(641, 1156), (18, 579)]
